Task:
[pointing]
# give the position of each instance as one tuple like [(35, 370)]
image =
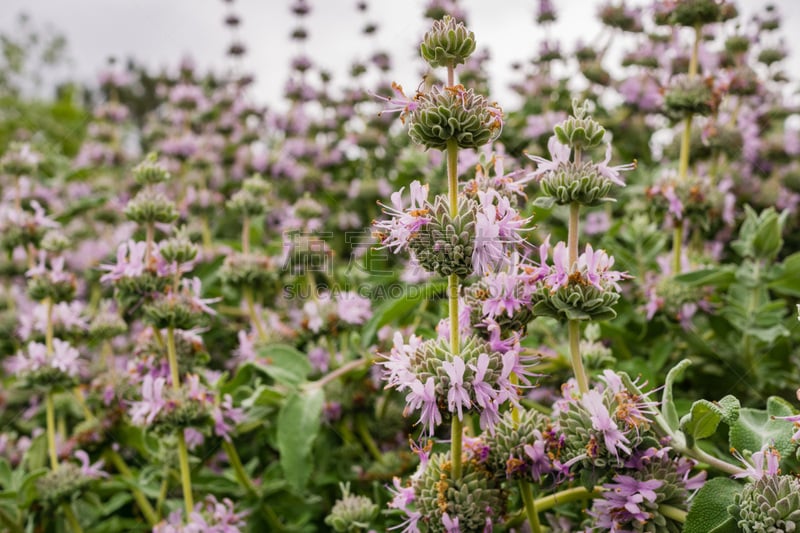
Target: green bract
[(445, 244), (507, 457), (351, 513), (149, 207), (150, 171), (454, 113), (447, 44), (580, 131), (576, 301), (247, 270), (571, 183), (695, 12), (59, 485), (471, 499), (173, 310), (477, 293), (768, 505), (689, 96)]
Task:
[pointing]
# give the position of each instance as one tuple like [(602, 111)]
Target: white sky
[(160, 32)]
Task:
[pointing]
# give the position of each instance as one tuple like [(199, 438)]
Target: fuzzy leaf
[(757, 427), (545, 202), (720, 277), (704, 416), (298, 425), (668, 409), (285, 364), (709, 510)]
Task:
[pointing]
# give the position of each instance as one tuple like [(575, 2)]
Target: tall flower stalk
[(578, 286)]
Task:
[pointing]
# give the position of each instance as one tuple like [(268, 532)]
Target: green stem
[(172, 358), (246, 235), (452, 285), (72, 519), (366, 438), (50, 408), (677, 247), (565, 496), (48, 333), (514, 379), (186, 473), (342, 370), (530, 506), (683, 162), (148, 239), (50, 413), (205, 231), (693, 60), (142, 501), (574, 328), (456, 432), (668, 511), (254, 318), (573, 235), (238, 468), (183, 453), (710, 460)]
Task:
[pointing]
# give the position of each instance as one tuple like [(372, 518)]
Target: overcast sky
[(160, 32)]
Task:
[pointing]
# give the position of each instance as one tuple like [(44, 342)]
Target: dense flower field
[(378, 309)]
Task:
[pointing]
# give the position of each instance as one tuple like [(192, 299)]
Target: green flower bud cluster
[(60, 485), (190, 352), (106, 326), (351, 513), (507, 457), (447, 44), (131, 291), (578, 300), (587, 444), (248, 270), (150, 171), (307, 208), (580, 131), (694, 13), (184, 411), (150, 206), (768, 56), (445, 244), (473, 498), (55, 242), (737, 44), (477, 293), (19, 160), (702, 203), (689, 96), (46, 378), (429, 356), (251, 200), (173, 309), (178, 249), (574, 183), (454, 113), (770, 504), (671, 492), (58, 290)]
